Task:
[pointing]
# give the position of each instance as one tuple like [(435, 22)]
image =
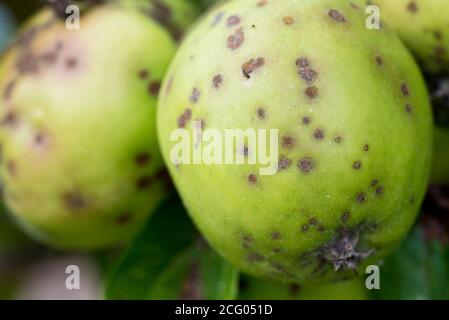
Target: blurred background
[(28, 270)]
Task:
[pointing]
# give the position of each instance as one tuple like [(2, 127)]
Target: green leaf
[(439, 273), (159, 248), (167, 260), (416, 271), (204, 4), (12, 239), (219, 278), (169, 285)]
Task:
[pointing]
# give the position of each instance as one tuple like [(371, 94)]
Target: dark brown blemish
[(380, 190), (184, 118), (144, 182), (143, 74), (311, 92), (233, 21), (249, 66), (27, 63), (163, 176), (247, 238), (303, 63), (439, 52), (345, 216), (142, 159), (278, 250), (284, 163), (408, 108), (217, 81), (261, 113), (255, 257), (10, 119), (235, 40), (336, 15), (318, 133), (379, 61), (74, 201), (277, 266), (438, 35), (338, 139), (124, 218), (360, 197), (12, 168), (305, 71), (307, 74), (288, 20), (357, 164), (247, 241), (374, 182), (294, 289), (366, 147), (154, 88), (306, 165), (341, 252), (287, 142), (71, 63), (404, 89), (306, 120), (27, 36), (412, 6), (162, 14), (195, 96), (40, 138), (276, 235), (7, 93), (313, 222), (252, 179)]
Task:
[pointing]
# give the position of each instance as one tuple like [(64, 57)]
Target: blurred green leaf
[(21, 10), (166, 237), (439, 273), (204, 4), (12, 239), (167, 260), (169, 284), (416, 271), (220, 279)]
